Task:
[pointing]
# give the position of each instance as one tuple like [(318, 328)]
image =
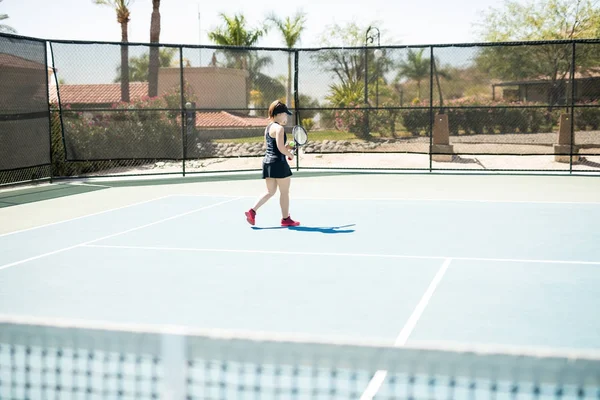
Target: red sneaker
[(251, 216), (289, 222)]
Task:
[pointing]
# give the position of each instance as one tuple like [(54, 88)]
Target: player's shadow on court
[(318, 229)]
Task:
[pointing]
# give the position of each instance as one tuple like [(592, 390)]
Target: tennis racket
[(300, 138)]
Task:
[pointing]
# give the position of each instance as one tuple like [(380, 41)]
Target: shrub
[(148, 129), (308, 123), (473, 116), (351, 120), (588, 117)]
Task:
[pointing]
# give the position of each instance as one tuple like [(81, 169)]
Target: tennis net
[(55, 359)]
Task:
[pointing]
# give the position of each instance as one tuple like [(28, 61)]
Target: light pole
[(377, 54), (369, 38), (199, 39)]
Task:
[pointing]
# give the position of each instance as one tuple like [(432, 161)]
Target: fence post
[(566, 124), (366, 92), (49, 112), (431, 108), (60, 110), (573, 87), (182, 109), (296, 102)]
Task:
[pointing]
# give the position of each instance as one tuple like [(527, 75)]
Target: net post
[(174, 362)]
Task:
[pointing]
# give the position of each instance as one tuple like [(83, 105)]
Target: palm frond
[(290, 28)]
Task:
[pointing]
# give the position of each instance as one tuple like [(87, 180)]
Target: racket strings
[(300, 135)]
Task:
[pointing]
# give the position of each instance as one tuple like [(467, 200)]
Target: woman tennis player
[(276, 170)]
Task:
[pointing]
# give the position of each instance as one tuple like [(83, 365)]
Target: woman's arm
[(281, 145)]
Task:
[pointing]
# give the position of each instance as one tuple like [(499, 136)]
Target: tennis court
[(487, 279)]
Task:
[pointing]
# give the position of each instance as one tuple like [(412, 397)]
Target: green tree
[(154, 61), (268, 87), (347, 70), (3, 27), (345, 94), (121, 8), (536, 21), (416, 68), (139, 67), (348, 65), (541, 20), (308, 102), (290, 29), (235, 32)]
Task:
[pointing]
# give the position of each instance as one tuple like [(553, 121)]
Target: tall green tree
[(536, 21), (269, 87), (3, 27), (121, 8), (416, 67), (139, 67), (154, 50), (290, 29), (347, 66), (541, 20), (235, 32)]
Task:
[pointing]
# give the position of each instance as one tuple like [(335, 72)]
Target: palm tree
[(139, 66), (122, 9), (345, 94), (266, 88), (236, 33), (6, 28), (416, 67), (154, 56), (290, 29)]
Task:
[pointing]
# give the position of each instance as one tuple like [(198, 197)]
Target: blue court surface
[(402, 271)]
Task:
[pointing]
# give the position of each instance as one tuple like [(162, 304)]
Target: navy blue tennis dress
[(275, 164)]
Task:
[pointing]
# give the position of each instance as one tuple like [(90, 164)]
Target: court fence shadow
[(588, 163), (319, 229)]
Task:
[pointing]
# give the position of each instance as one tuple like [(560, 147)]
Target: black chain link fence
[(24, 121), (172, 109)]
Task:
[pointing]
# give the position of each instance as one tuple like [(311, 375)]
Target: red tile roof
[(219, 119), (99, 93), (10, 60), (111, 93)]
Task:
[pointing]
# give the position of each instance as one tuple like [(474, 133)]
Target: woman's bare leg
[(284, 196), (271, 190)]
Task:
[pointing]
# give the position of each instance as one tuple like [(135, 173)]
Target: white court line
[(114, 234), (377, 380), (84, 216), (88, 184), (412, 199), (374, 255)]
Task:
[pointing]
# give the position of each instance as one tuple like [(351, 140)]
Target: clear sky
[(401, 22)]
